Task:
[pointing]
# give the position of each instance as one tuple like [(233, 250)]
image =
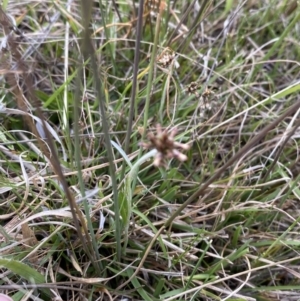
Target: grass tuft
[(149, 150)]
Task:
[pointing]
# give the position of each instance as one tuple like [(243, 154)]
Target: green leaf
[(24, 271)]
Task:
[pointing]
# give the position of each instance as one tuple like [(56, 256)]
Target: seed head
[(167, 148)]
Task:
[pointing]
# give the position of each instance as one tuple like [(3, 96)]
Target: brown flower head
[(166, 58), (165, 145)]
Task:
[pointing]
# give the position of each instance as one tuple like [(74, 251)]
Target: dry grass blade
[(6, 24), (236, 157), (89, 51), (27, 101), (207, 212)]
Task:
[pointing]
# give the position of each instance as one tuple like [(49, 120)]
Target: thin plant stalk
[(101, 100), (150, 77), (139, 28)]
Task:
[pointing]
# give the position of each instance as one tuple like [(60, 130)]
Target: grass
[(151, 153)]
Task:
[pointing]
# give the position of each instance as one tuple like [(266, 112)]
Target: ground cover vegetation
[(149, 150)]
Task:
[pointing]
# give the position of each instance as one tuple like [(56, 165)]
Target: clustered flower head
[(165, 145)]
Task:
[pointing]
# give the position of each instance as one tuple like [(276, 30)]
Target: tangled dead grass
[(220, 223)]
